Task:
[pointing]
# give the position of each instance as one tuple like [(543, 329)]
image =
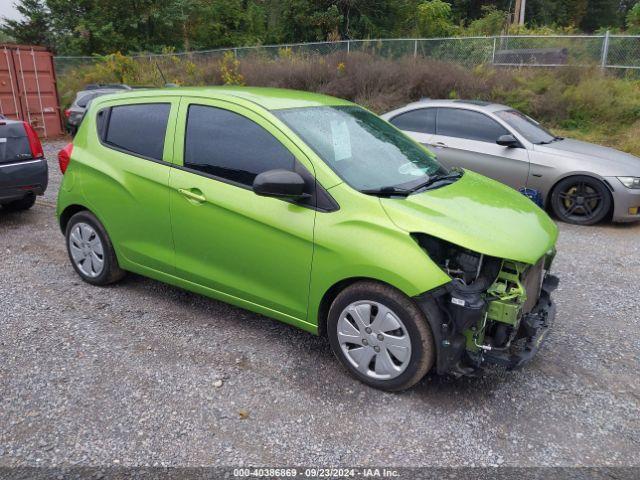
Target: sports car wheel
[(581, 200)]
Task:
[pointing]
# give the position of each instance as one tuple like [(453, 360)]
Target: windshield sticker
[(411, 168), (341, 140)]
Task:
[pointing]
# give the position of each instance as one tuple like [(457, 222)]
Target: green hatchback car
[(314, 211)]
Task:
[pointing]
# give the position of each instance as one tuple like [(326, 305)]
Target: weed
[(581, 102)]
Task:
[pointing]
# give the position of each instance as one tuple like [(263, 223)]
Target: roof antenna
[(164, 80)]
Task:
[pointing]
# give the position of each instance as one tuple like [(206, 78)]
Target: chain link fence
[(607, 51)]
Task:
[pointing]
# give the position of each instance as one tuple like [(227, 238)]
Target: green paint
[(270, 256)]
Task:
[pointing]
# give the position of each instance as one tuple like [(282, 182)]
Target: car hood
[(480, 214), (619, 163)]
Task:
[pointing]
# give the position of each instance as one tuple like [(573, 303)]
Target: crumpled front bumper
[(451, 350), (536, 324)]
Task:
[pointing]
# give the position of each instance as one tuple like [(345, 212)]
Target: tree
[(33, 28), (491, 23), (433, 19), (6, 38), (376, 18), (601, 13), (633, 20), (87, 27), (552, 12)]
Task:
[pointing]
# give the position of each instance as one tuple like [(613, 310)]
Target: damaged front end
[(493, 310)]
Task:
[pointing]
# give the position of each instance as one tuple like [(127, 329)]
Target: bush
[(604, 100), (583, 102), (377, 83)]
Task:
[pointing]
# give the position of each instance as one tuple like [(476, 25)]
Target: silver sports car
[(580, 182)]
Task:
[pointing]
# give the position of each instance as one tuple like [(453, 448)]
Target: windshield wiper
[(547, 142), (442, 177), (397, 191), (387, 191)]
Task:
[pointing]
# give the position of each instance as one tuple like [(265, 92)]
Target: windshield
[(364, 150), (526, 126)]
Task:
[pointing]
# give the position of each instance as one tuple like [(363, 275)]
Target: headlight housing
[(472, 269), (630, 182)]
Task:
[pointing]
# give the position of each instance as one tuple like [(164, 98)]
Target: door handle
[(193, 194), (439, 145)]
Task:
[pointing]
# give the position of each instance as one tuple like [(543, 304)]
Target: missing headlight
[(460, 263), (472, 273)]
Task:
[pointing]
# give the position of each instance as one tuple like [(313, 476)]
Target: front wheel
[(581, 200), (380, 335)]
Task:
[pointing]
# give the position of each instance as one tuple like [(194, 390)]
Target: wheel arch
[(333, 291), (68, 212)]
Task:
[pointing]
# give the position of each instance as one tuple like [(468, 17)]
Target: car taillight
[(67, 113), (34, 141), (64, 157)]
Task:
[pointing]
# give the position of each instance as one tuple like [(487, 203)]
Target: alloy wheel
[(581, 202)]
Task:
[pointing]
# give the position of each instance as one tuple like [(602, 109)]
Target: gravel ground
[(142, 373)]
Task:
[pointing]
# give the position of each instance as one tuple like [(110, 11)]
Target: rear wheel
[(380, 335), (23, 204), (581, 200), (90, 250)]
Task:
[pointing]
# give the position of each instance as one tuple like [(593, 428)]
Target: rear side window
[(422, 120), (232, 147), (457, 122), (138, 129)]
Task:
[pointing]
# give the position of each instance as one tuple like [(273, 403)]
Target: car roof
[(472, 104), (8, 121), (98, 91), (268, 98)]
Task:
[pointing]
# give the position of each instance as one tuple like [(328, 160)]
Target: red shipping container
[(28, 88)]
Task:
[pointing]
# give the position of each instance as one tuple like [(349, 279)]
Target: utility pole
[(518, 12)]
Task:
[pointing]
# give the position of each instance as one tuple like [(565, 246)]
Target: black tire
[(18, 205), (422, 354), (581, 200), (111, 271)]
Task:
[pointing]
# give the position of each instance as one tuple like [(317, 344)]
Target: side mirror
[(279, 183), (508, 141)]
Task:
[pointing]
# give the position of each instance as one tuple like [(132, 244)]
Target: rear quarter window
[(137, 129)]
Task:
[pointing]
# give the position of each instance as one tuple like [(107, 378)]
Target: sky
[(7, 9)]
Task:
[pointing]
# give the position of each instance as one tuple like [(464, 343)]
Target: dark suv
[(23, 169), (75, 113)]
